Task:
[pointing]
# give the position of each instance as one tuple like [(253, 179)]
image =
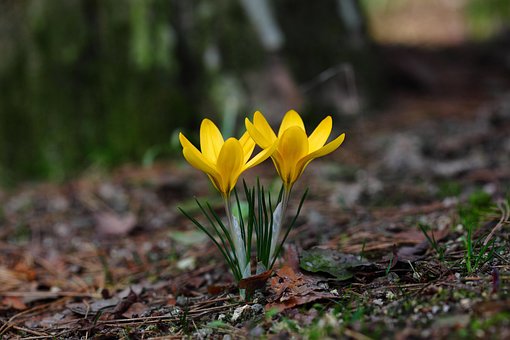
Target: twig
[(505, 214), (501, 258), (29, 331)]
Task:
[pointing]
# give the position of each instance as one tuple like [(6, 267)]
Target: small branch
[(505, 215)]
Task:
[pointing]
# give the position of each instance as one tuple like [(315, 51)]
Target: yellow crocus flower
[(223, 161), (294, 148)]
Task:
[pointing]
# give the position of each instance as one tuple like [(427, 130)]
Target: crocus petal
[(277, 160), (292, 145), (211, 140), (185, 142), (194, 153), (261, 139), (290, 119), (263, 126), (321, 134), (197, 160), (230, 164), (215, 182), (261, 156), (326, 149), (248, 145)]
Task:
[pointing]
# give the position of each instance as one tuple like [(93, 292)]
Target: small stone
[(203, 333), (187, 263), (390, 295), (257, 332), (181, 301), (238, 312), (393, 277), (403, 153), (465, 303), (257, 308)]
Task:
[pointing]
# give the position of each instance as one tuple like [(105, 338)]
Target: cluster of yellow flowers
[(225, 160), (291, 150)]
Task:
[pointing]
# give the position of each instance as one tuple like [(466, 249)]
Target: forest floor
[(405, 234)]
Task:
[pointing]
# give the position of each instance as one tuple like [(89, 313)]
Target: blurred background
[(97, 83)]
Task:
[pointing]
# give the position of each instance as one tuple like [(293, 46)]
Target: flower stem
[(237, 237), (277, 225)]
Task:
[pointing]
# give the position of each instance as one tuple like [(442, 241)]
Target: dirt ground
[(404, 235)]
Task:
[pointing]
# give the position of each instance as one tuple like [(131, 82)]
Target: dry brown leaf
[(135, 310), (255, 281), (14, 302), (288, 289)]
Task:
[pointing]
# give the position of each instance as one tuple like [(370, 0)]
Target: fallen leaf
[(135, 310), (125, 304), (330, 261), (14, 302), (254, 282), (216, 289), (24, 270), (93, 308), (288, 289)]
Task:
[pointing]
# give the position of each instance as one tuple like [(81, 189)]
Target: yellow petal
[(230, 164), (326, 149), (197, 160), (278, 161), (262, 140), (248, 145), (290, 119), (185, 141), (264, 128), (261, 156), (215, 182), (211, 140), (321, 134), (292, 146)]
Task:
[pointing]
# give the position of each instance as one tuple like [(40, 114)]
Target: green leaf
[(329, 261)]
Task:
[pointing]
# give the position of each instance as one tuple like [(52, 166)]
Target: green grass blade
[(226, 256)]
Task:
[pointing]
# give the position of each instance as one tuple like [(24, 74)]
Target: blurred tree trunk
[(90, 82)]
